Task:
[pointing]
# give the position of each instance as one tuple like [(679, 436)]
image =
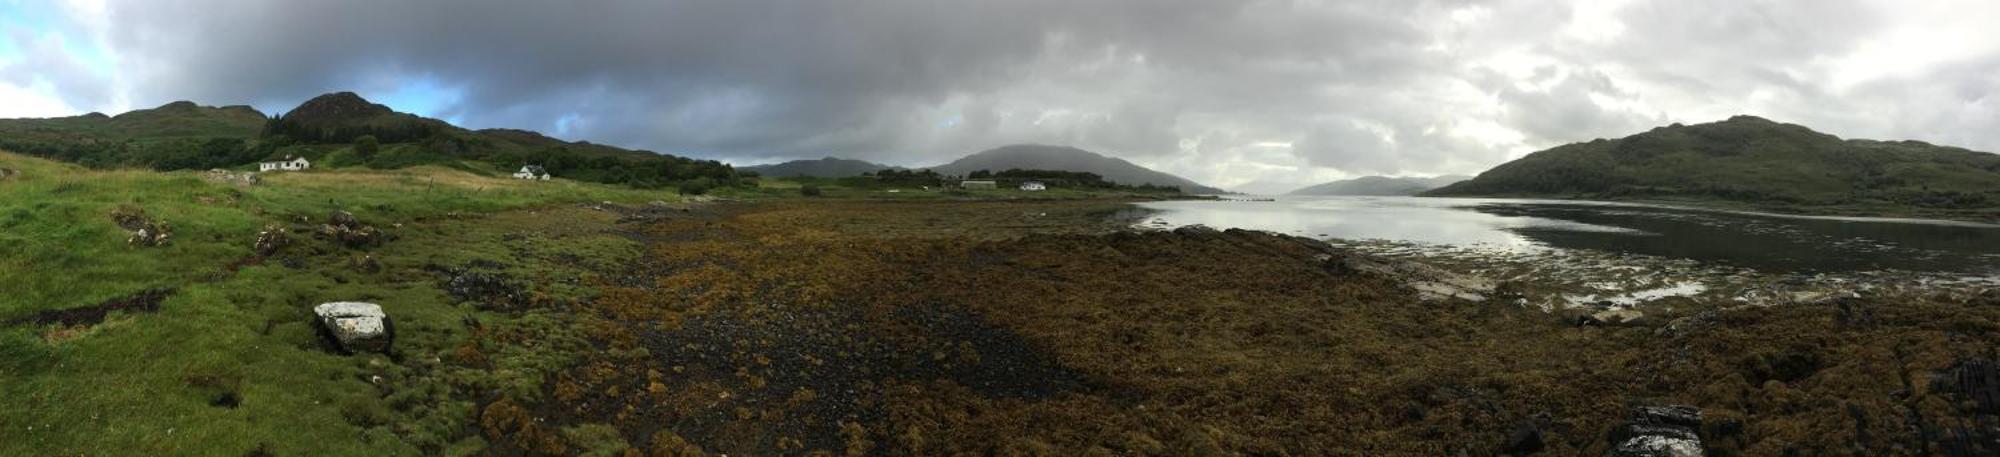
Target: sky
[(1249, 95)]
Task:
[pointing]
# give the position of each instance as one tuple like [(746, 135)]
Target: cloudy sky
[(1254, 95)]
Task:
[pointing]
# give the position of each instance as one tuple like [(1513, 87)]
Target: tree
[(366, 145)]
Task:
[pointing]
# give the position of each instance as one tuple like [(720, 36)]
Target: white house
[(1033, 186), (532, 172), (289, 163)]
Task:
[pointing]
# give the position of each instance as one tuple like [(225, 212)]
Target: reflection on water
[(1765, 242)]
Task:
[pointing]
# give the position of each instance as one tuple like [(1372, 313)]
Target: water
[(1764, 242)]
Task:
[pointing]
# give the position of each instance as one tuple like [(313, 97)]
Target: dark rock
[(491, 290), (1197, 230), (342, 219), (1659, 431), (1526, 439)]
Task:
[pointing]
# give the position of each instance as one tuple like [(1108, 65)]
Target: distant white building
[(1034, 186), (289, 163), (979, 184), (532, 172)]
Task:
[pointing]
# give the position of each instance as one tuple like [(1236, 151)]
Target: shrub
[(809, 190), (696, 186), (366, 145)]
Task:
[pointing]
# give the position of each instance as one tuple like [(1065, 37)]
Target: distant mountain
[(1380, 185), (1749, 159), (1043, 157), (829, 167)]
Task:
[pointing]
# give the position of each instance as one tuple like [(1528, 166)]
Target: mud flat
[(1622, 285), (1051, 328)]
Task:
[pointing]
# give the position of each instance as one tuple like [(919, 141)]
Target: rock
[(356, 326), (248, 178), (490, 290), (1196, 230), (1526, 439), (352, 237), (367, 264), (340, 218), (271, 240), (8, 173), (1659, 431)]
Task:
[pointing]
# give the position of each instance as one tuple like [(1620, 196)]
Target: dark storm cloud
[(1227, 92)]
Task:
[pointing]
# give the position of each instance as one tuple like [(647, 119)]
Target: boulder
[(356, 326), (271, 240), (1659, 431), (340, 218)]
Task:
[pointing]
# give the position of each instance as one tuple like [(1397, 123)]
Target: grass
[(153, 382)]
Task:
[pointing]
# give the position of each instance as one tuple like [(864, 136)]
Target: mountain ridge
[(1748, 159), (827, 167), (1068, 158), (1379, 186)]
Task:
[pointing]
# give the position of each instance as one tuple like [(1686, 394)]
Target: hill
[(172, 136), (327, 129), (830, 167), (1379, 185), (1747, 159), (1043, 157)]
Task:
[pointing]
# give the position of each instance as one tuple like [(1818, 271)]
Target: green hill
[(1750, 160), (327, 130)]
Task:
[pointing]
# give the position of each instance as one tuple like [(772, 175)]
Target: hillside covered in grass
[(199, 341), (1752, 160), (339, 130)]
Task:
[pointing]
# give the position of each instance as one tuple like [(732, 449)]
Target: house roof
[(536, 169)]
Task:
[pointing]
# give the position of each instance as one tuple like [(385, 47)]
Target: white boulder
[(357, 326)]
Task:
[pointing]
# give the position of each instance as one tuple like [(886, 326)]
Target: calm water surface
[(1762, 241)]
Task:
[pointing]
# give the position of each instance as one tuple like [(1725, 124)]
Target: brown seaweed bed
[(1048, 328)]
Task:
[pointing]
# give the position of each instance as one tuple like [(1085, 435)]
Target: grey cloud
[(1191, 86)]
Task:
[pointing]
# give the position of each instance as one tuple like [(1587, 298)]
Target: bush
[(809, 190), (696, 186), (366, 145)]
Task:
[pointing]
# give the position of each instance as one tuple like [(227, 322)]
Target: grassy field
[(229, 362)]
